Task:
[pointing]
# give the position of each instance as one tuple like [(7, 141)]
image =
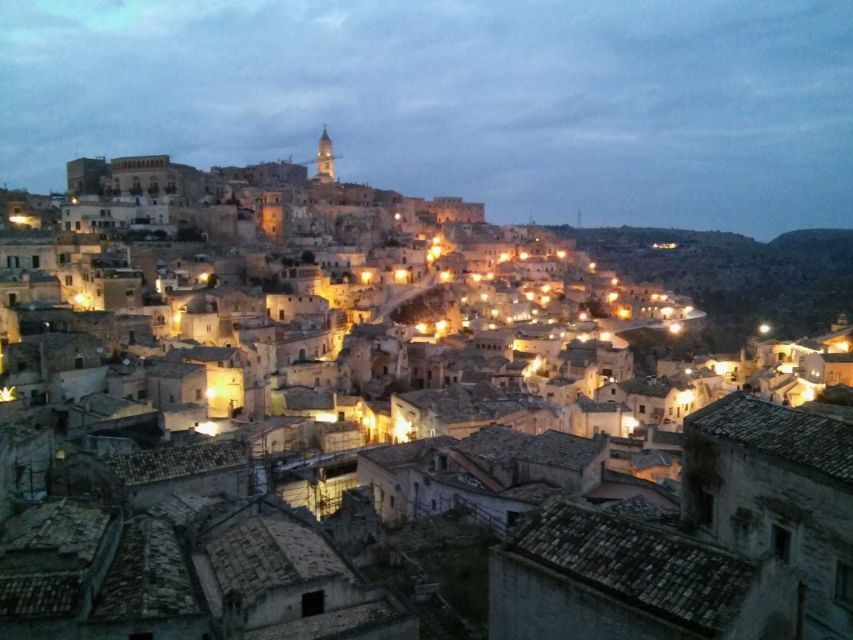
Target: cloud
[(704, 115)]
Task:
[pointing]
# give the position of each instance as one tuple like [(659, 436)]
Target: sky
[(735, 116)]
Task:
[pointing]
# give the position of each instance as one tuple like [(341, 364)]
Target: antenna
[(580, 219)]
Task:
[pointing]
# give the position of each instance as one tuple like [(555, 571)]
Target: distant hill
[(799, 282)]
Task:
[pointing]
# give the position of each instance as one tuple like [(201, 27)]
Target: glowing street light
[(764, 328), (675, 328)]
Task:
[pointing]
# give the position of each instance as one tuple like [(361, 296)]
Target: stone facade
[(762, 479)]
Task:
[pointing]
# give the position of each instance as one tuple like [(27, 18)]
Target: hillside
[(799, 282)]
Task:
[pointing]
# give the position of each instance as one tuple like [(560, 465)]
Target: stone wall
[(752, 493)]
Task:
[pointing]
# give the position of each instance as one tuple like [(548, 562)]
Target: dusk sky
[(705, 115)]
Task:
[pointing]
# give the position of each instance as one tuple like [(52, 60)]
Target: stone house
[(828, 368), (498, 473), (589, 418), (762, 479), (169, 383), (460, 410), (149, 477), (605, 575), (55, 559), (55, 367), (306, 589), (654, 401), (148, 590)]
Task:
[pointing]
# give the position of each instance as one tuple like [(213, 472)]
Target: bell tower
[(325, 158)]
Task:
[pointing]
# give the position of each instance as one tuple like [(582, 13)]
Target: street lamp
[(764, 328)]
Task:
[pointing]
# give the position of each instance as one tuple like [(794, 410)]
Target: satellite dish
[(99, 350), (125, 362)]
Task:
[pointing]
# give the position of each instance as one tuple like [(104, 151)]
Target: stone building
[(55, 558), (452, 209), (762, 479), (170, 383), (149, 477), (148, 591), (497, 471), (607, 576), (153, 178), (55, 367), (267, 573)]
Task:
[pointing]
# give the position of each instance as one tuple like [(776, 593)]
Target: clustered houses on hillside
[(222, 385)]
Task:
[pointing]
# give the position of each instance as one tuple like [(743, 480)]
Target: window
[(391, 501), (844, 583), (780, 540), (13, 298), (706, 508), (13, 262), (341, 416), (612, 391), (77, 225), (313, 603), (36, 262), (198, 394), (642, 408), (78, 362), (69, 281)]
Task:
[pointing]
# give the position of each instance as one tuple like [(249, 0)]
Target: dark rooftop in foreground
[(674, 576), (820, 443), (176, 462)]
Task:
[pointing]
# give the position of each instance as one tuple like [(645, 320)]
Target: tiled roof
[(180, 509), (169, 463), (268, 552), (495, 443), (148, 577), (39, 595), (63, 526), (396, 455), (591, 406), (326, 625), (813, 441), (645, 567), (304, 399), (208, 354), (562, 450), (165, 369), (533, 493), (637, 507), (106, 405)]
